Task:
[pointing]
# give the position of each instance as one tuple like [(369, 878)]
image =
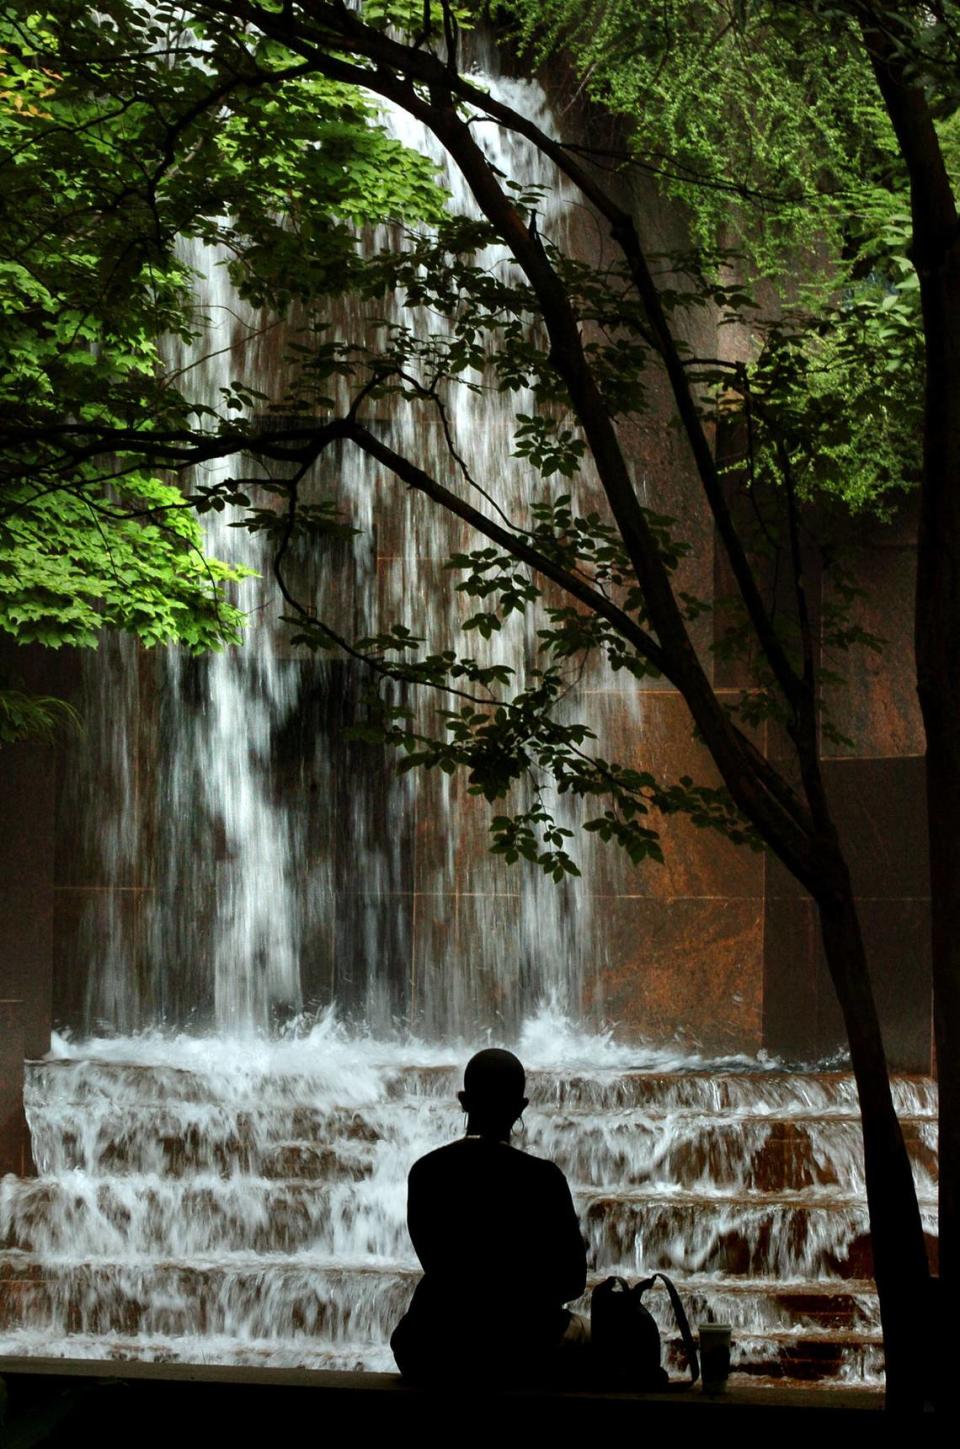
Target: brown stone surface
[(372, 952), (876, 703), (734, 670), (26, 960), (830, 1035), (489, 946), (108, 697), (318, 950), (15, 1153), (27, 836), (433, 988), (666, 482), (685, 970), (896, 938), (85, 919), (71, 911), (880, 807), (653, 732), (789, 978), (802, 1018), (878, 802), (792, 1157), (451, 829), (759, 518)]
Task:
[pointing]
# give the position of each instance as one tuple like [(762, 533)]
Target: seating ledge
[(192, 1396)]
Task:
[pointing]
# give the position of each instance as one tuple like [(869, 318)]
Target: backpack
[(625, 1340)]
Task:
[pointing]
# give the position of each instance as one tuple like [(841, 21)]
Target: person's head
[(492, 1095)]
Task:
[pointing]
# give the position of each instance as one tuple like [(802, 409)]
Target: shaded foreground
[(189, 1404)]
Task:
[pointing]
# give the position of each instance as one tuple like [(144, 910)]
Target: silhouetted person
[(498, 1238)]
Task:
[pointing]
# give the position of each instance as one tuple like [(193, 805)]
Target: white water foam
[(243, 1201)]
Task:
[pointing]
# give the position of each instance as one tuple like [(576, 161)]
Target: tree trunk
[(938, 687), (935, 252), (899, 1252)]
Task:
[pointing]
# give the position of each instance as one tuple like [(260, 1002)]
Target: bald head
[(492, 1095)]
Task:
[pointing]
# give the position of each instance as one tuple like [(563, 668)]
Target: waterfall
[(278, 870)]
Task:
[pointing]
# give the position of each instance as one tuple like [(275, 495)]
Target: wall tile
[(685, 970)]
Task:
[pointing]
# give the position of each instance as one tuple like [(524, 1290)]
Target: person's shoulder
[(540, 1167), (439, 1158)]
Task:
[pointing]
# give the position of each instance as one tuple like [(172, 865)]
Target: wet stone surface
[(254, 1213)]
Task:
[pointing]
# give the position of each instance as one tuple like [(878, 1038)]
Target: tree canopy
[(765, 123), (238, 137), (247, 137), (119, 148)]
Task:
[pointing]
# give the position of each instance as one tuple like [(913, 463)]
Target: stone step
[(297, 1143), (819, 1356), (774, 1235), (285, 1297), (318, 1314), (824, 1359), (240, 1352), (257, 1215), (79, 1216), (767, 1153), (760, 1304), (256, 1299), (76, 1080), (751, 1093), (800, 1234)]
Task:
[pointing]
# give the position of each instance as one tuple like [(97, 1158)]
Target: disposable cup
[(714, 1356)]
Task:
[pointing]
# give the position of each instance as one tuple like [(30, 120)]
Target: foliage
[(28, 716), (72, 563), (837, 397), (229, 136), (765, 122), (761, 118), (129, 139)]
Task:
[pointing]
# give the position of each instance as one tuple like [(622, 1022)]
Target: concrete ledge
[(185, 1404)]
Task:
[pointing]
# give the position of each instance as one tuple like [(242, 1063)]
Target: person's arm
[(569, 1257), (426, 1218), (417, 1215)]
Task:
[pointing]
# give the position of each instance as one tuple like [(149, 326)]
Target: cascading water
[(214, 1200), (245, 874), (222, 1176)]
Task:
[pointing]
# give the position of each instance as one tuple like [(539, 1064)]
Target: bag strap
[(689, 1347)]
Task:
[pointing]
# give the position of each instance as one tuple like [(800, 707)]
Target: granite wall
[(878, 789), (27, 843)]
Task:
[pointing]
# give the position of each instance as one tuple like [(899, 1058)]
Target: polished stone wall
[(878, 790), (27, 838)]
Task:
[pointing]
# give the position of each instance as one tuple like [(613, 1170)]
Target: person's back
[(498, 1238)]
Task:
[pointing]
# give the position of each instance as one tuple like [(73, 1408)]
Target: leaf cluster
[(76, 561), (140, 148)]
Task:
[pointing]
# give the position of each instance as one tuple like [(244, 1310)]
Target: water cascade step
[(251, 1210)]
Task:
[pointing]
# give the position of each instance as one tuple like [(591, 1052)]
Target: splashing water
[(243, 1200)]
